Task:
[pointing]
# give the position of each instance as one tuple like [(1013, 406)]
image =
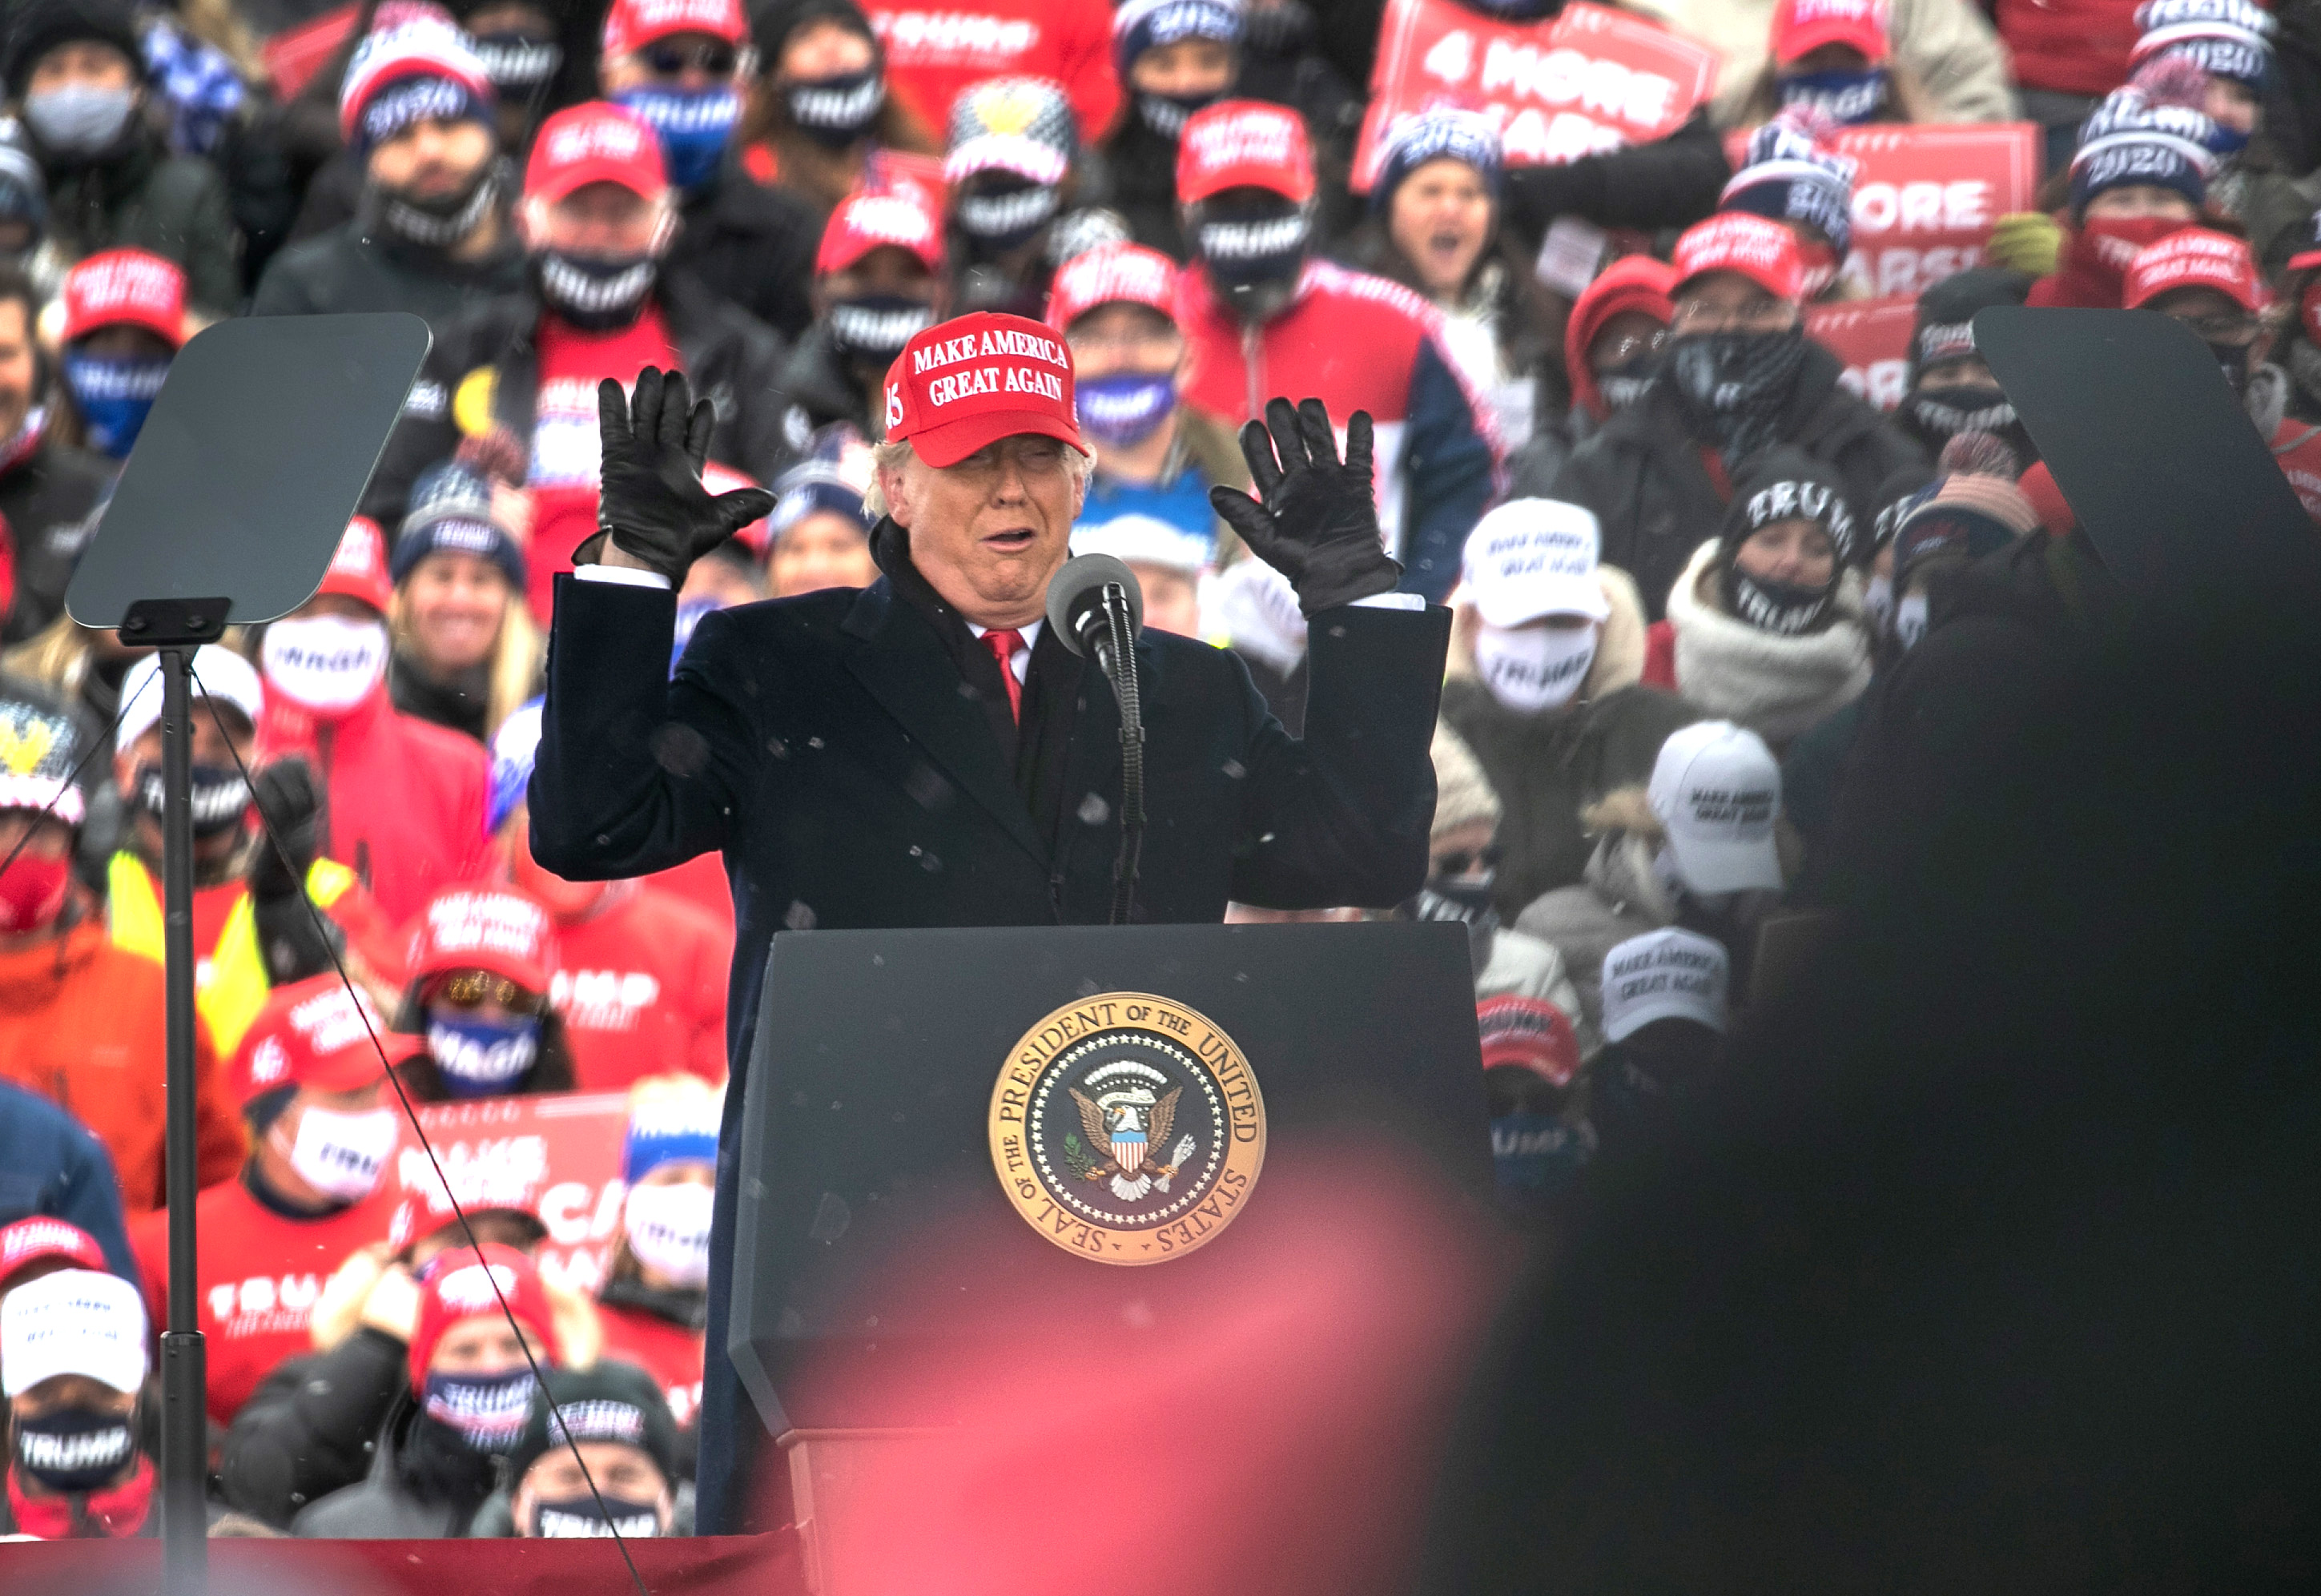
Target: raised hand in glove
[(653, 506), (1312, 518), (294, 804)]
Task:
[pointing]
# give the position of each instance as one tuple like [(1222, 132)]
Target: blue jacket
[(52, 1166)]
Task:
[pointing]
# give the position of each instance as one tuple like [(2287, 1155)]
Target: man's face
[(70, 1391), (1113, 339), (596, 221), (83, 63), (1187, 69), (677, 61), (210, 745), (824, 549), (1172, 599), (1967, 371), (820, 49), (989, 532), (1623, 338), (483, 1344), (2215, 317), (1727, 302), (619, 1470), (433, 158), (18, 372), (889, 271)]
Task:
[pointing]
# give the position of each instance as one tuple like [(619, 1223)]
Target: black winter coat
[(753, 245), (821, 389), (175, 206), (49, 502), (1668, 184), (356, 268), (1641, 472), (824, 743), (1144, 168), (313, 1427), (731, 360)]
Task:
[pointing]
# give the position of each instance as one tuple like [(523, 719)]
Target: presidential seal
[(1127, 1129)]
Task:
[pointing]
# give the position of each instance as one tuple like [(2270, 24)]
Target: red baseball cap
[(358, 569), (316, 1032), (595, 142), (631, 24), (486, 928), (1529, 1033), (1765, 253), (973, 380), (2195, 257), (126, 288), (1244, 144), (1803, 26), (472, 1282), (1112, 273), (903, 215), (28, 1241)]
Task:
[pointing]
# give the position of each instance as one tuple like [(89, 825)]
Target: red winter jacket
[(2068, 47), (406, 797), (669, 1353), (261, 1275), (1359, 342), (936, 48), (640, 983)]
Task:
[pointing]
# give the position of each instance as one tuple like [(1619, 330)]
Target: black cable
[(72, 777), (1123, 649), (362, 1011)]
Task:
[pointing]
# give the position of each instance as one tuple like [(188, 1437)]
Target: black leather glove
[(292, 802), (1312, 519), (653, 503)]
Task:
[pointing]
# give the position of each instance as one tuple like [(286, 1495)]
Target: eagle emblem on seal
[(1127, 1125)]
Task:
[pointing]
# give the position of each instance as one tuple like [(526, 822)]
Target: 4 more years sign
[(1591, 79), (557, 1157)]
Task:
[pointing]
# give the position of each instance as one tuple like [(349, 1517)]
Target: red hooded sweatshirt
[(936, 48), (1632, 283)]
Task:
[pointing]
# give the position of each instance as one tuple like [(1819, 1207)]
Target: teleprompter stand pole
[(177, 627)]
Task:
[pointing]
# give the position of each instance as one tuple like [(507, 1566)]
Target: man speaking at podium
[(924, 752)]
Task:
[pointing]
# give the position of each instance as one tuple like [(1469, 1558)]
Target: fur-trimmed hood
[(1620, 871), (1776, 686), (1619, 659)]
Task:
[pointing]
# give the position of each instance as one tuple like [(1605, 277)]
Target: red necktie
[(1003, 646)]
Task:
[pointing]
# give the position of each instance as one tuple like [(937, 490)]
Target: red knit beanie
[(457, 1286), (2038, 485)]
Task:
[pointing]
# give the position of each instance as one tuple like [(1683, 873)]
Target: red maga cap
[(1112, 273), (316, 1032), (126, 288), (458, 1284), (28, 1241), (1765, 253), (595, 142), (1529, 1033), (1803, 26), (1243, 144), (2195, 257), (973, 380), (486, 928), (358, 569), (903, 215), (631, 24)]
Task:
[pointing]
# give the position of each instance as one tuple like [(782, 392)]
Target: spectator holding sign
[(1435, 228), (1738, 376), (654, 1303), (322, 1130), (1265, 319)]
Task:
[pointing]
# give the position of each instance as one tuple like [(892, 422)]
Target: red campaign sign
[(1588, 81), (557, 1156), (1927, 196), (1871, 338)]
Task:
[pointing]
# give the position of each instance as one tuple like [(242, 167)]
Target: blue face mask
[(2224, 142), (1851, 98), (487, 1410), (1125, 409), (114, 393), (478, 1057), (693, 125), (1538, 1155)]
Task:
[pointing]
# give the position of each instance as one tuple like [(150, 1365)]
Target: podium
[(1082, 1116)]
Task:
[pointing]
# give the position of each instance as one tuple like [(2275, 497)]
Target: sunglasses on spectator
[(668, 61), (1467, 861), (1629, 345), (1763, 314), (472, 989)]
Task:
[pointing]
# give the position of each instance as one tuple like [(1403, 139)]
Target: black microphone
[(1096, 608)]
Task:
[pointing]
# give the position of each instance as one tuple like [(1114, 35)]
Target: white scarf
[(1776, 686)]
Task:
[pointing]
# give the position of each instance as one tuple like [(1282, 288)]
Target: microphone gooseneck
[(1097, 607)]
